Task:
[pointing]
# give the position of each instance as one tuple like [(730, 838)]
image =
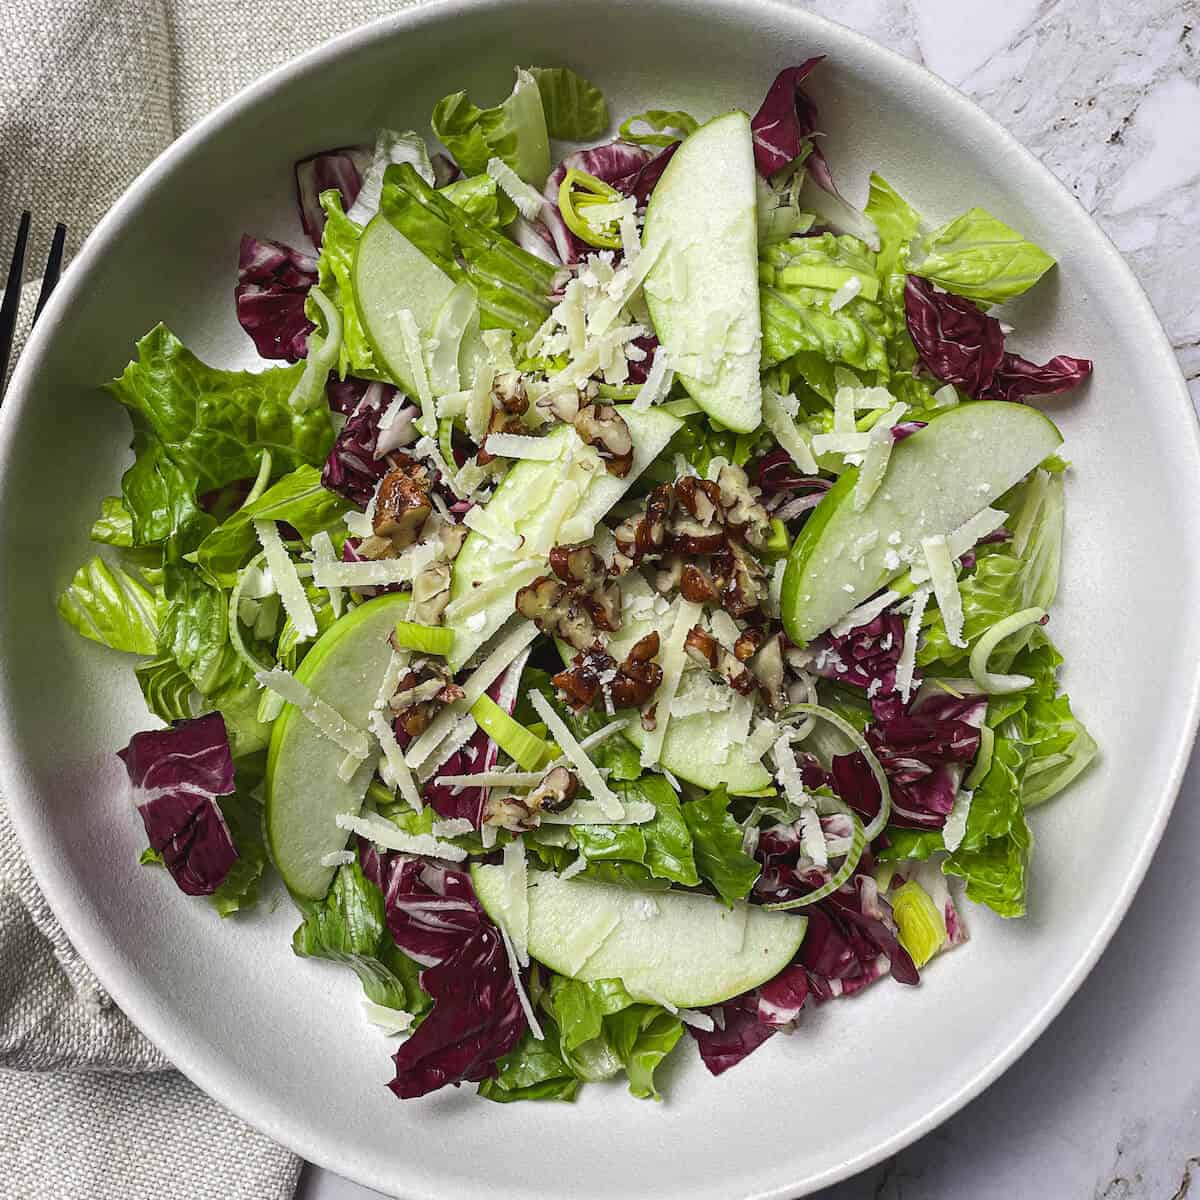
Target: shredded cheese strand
[(589, 776), (287, 580), (324, 716)]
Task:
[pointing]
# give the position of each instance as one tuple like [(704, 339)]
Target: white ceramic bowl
[(280, 1041)]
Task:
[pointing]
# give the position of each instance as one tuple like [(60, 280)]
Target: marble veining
[(1107, 1106)]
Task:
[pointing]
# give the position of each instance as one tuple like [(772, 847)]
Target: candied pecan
[(696, 585), (421, 694), (508, 393), (402, 504), (499, 422), (638, 677), (740, 506), (701, 498), (702, 647), (521, 812), (650, 718), (767, 668), (555, 792), (747, 644), (581, 682), (577, 563), (552, 606), (604, 429), (743, 593)]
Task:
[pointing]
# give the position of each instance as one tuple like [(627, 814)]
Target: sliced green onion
[(590, 191), (425, 639), (526, 749), (880, 820), (777, 543), (1001, 685), (983, 760), (922, 928)]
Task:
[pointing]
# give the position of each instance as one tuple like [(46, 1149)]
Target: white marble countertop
[(1106, 1105)]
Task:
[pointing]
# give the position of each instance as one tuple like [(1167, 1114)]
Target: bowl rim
[(70, 907)]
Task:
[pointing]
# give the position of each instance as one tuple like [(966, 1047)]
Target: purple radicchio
[(342, 169), (850, 943), (477, 1018), (273, 281), (958, 343), (923, 753), (865, 657), (177, 775), (363, 452)]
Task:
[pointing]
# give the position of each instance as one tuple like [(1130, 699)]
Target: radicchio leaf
[(273, 281), (785, 121), (613, 163), (342, 169), (958, 343), (362, 453), (738, 1033), (922, 753), (176, 775), (865, 657), (477, 1018)]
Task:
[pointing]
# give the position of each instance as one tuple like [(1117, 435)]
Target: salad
[(623, 610)]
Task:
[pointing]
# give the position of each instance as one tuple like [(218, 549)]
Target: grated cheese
[(499, 348), (324, 716), (287, 580), (588, 812), (659, 380), (391, 678), (574, 868), (390, 1020), (762, 739), (787, 434), (788, 772), (529, 202), (478, 682), (843, 409), (674, 659), (323, 553), (955, 827), (908, 653), (878, 455), (841, 443), (414, 351), (864, 614), (514, 966), (461, 733), (505, 583), (337, 858), (383, 833), (377, 573), (845, 293), (428, 448), (393, 768), (520, 445), (812, 837), (481, 520), (698, 1020), (944, 576), (589, 776), (479, 403), (724, 628), (516, 905)]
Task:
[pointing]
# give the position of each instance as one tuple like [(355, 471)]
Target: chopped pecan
[(748, 643), (696, 585), (767, 667), (499, 422), (508, 393), (556, 610), (562, 405), (521, 812), (430, 593), (669, 575), (555, 792), (402, 504), (701, 498), (650, 718), (421, 694), (740, 505), (638, 677), (604, 429), (580, 684), (578, 564), (743, 593), (702, 647)]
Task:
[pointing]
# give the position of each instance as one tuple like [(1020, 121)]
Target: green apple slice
[(526, 500), (304, 792), (684, 948), (703, 290), (936, 479), (390, 275)]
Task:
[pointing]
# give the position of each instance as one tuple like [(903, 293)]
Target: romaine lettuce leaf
[(574, 109), (995, 874), (979, 257), (717, 845), (111, 607), (349, 927), (625, 843), (513, 286), (514, 131), (239, 889), (534, 1070), (482, 199), (194, 631), (298, 498), (668, 840), (166, 688), (161, 499), (898, 223), (114, 525), (214, 425), (641, 1036)]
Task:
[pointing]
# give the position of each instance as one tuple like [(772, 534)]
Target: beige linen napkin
[(91, 91)]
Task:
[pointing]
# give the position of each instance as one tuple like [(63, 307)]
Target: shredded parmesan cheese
[(589, 812), (516, 906), (944, 577), (283, 572), (519, 445), (377, 573), (878, 455), (393, 768), (864, 614), (673, 661), (657, 386), (908, 653), (529, 202), (845, 293), (337, 858), (323, 553), (383, 833), (324, 716), (414, 351), (481, 520), (589, 776), (514, 966), (787, 433), (812, 837), (955, 827)]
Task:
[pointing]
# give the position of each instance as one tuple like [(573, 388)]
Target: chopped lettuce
[(513, 285), (239, 889), (349, 926), (298, 498), (111, 607), (514, 131), (114, 525), (574, 108), (641, 1036), (534, 1070), (482, 199), (898, 224), (335, 272), (194, 631), (981, 258), (166, 688), (717, 843)]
